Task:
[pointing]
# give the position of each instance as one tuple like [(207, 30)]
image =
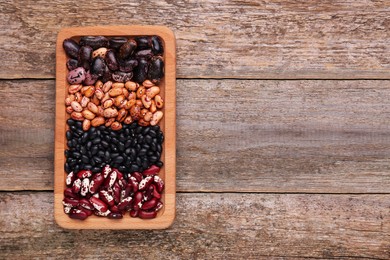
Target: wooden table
[(283, 134)]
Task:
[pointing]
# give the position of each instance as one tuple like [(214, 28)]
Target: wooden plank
[(218, 226), (283, 39), (252, 135)]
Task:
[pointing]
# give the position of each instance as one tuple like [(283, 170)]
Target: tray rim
[(166, 218)]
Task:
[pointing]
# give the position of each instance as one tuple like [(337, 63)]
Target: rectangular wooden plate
[(166, 215)]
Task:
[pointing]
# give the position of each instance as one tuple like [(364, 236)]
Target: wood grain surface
[(211, 226), (344, 39), (267, 168), (247, 135)]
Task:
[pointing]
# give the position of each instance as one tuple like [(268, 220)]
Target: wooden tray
[(166, 215)]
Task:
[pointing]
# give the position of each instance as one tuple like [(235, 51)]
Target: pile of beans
[(112, 104), (114, 140), (109, 194), (119, 59), (131, 149)]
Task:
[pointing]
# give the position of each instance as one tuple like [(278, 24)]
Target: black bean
[(152, 133), (105, 144), (83, 150), (133, 152), (161, 138), (148, 139), (115, 140), (68, 135), (69, 144), (140, 139), (67, 153), (122, 168), (100, 154), (85, 159), (134, 168), (107, 156), (159, 164), (79, 132), (92, 130), (76, 154), (76, 169), (70, 122), (159, 148), (134, 148), (121, 146), (87, 167), (114, 149), (138, 161), (93, 135), (114, 165), (96, 140), (113, 155), (153, 159), (118, 159), (128, 143), (84, 137), (97, 159), (67, 168), (145, 164), (142, 151), (96, 169), (94, 149)]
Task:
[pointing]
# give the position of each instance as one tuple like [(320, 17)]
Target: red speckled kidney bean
[(98, 204), (84, 187), (76, 186), (84, 174), (147, 214), (145, 183), (69, 202), (86, 204), (97, 180), (106, 198), (112, 196), (134, 213), (113, 215), (78, 214), (68, 193), (70, 179), (150, 204), (137, 176), (124, 203), (159, 183), (151, 170)]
